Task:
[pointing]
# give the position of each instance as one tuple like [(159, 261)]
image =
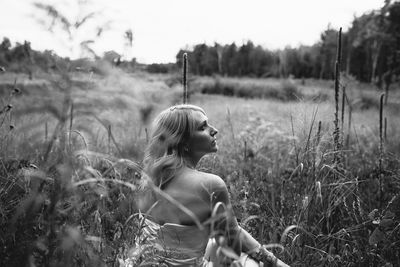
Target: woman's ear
[(185, 147), (170, 150)]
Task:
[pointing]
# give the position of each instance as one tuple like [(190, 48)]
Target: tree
[(258, 61), (5, 45), (4, 49), (328, 47), (244, 58), (229, 60), (392, 29)]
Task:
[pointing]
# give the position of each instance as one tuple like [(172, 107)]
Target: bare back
[(189, 188)]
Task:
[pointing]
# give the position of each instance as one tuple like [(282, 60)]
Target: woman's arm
[(238, 238), (226, 223)]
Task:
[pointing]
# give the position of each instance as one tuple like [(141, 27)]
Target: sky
[(162, 27)]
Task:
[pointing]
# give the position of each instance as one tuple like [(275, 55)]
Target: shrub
[(285, 91), (289, 91)]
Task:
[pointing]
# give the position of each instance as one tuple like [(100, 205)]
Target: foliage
[(161, 68), (285, 90), (369, 53)]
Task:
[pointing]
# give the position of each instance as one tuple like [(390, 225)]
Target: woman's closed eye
[(203, 126)]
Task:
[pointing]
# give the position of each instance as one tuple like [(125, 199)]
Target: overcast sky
[(162, 27)]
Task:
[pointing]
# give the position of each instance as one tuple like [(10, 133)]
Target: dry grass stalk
[(343, 105), (229, 119), (342, 145), (317, 140), (311, 128), (381, 147), (245, 151), (147, 135), (71, 121), (348, 122), (385, 130), (294, 141), (343, 110), (336, 133), (184, 81), (109, 134), (318, 133), (357, 203), (109, 138), (46, 131), (319, 192)]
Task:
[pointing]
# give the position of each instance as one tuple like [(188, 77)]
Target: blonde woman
[(187, 212)]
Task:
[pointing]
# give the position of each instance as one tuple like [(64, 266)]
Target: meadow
[(71, 144)]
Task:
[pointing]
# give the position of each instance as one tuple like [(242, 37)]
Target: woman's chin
[(214, 148)]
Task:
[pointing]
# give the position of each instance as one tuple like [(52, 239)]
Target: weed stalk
[(336, 133), (385, 130), (381, 148), (294, 141), (184, 79), (71, 121), (316, 144), (348, 122)]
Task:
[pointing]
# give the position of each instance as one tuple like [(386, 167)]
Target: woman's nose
[(214, 131)]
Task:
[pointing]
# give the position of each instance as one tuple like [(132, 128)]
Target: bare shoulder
[(215, 186), (212, 180)]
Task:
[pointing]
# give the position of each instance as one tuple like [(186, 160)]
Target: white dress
[(169, 245), (177, 245)]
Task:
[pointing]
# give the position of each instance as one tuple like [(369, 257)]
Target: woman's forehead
[(199, 117)]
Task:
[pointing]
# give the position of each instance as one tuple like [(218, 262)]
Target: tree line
[(22, 58), (370, 53)]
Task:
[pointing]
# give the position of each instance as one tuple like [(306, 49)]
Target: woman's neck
[(191, 162)]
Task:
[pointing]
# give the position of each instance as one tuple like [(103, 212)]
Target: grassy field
[(69, 143)]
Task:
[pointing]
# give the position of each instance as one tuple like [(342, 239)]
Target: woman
[(186, 207)]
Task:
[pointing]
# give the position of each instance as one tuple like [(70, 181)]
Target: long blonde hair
[(164, 154)]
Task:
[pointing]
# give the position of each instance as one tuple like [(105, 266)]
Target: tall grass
[(68, 203), (69, 174)]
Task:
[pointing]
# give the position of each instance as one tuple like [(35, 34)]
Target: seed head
[(2, 69), (305, 202), (221, 241), (319, 193)]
